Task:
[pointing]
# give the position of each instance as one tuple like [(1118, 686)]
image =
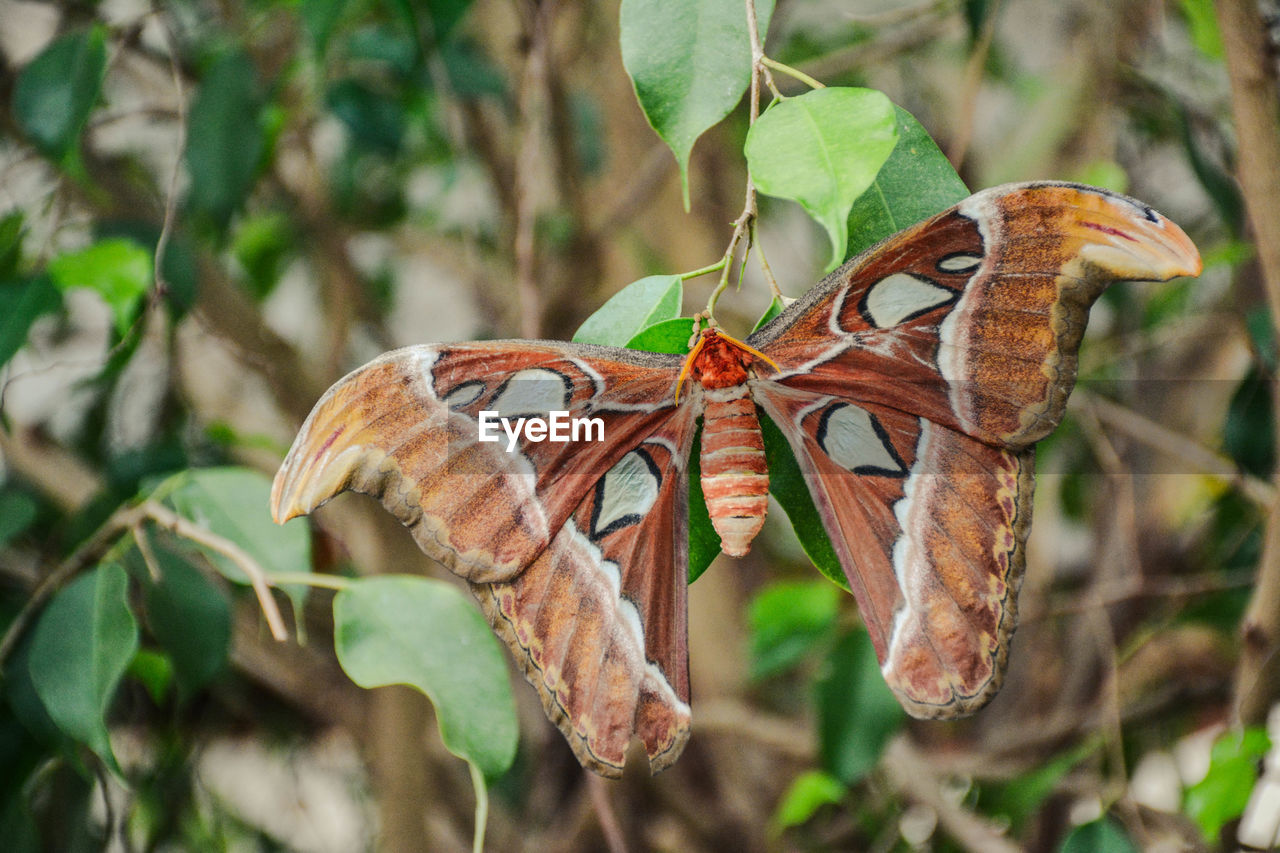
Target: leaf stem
[(335, 582), (482, 807), (716, 267), (796, 73)]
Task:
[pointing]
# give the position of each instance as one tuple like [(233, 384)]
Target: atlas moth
[(911, 385)]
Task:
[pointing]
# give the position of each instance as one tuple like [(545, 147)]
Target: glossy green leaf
[(787, 620), (116, 269), (809, 792), (916, 182), (235, 504), (823, 149), (786, 483), (1099, 836), (669, 336), (690, 63), (80, 649), (57, 90), (640, 304), (190, 619), (424, 633), (22, 300), (1223, 793), (857, 713), (225, 137)]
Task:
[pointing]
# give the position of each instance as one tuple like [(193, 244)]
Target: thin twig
[(1254, 93), (143, 542), (959, 147), (911, 774), (533, 126), (171, 193), (610, 828), (1194, 455), (187, 529)]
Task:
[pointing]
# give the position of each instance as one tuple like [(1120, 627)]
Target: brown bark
[(1254, 100)]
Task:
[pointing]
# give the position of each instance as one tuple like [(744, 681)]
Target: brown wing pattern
[(576, 550), (913, 383), (599, 622), (973, 318), (929, 525), (404, 429)]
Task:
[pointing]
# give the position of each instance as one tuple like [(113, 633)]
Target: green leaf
[(690, 63), (116, 269), (21, 302), (704, 542), (1220, 797), (56, 91), (1099, 836), (775, 308), (235, 504), (263, 245), (916, 182), (155, 671), (190, 619), (809, 792), (11, 236), (445, 15), (80, 649), (857, 713), (17, 511), (320, 17), (424, 633), (786, 483), (1203, 24), (374, 120), (225, 138), (669, 336), (823, 150), (787, 620), (640, 304)]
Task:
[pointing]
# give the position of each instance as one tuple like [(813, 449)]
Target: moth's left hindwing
[(599, 621), (576, 550)]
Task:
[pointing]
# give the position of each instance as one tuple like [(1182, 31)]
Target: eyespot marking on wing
[(533, 392), (857, 441), (958, 262), (464, 394), (625, 493), (897, 298)]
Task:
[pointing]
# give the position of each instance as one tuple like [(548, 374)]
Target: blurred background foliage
[(328, 179)]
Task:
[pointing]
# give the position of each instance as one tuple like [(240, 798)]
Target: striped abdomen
[(735, 480)]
